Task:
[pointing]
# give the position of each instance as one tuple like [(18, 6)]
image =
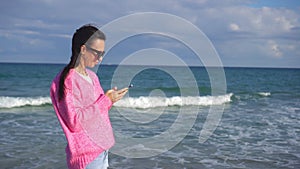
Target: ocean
[(258, 128)]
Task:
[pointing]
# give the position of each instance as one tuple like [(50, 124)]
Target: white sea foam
[(10, 102), (130, 102), (152, 102), (264, 93)]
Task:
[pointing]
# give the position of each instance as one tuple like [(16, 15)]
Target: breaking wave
[(11, 102), (142, 102), (152, 102)]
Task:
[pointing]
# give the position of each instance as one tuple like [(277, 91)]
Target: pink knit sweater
[(83, 115)]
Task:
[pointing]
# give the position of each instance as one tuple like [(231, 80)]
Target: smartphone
[(130, 86)]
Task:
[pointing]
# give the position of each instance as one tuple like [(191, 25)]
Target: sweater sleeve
[(64, 108), (95, 119), (104, 101), (69, 107)]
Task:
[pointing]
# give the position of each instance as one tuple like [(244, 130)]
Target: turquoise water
[(259, 127)]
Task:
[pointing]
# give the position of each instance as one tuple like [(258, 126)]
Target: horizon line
[(112, 64)]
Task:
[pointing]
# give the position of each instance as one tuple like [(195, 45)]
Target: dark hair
[(84, 35)]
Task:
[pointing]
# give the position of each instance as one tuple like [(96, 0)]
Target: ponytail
[(85, 34), (63, 75)]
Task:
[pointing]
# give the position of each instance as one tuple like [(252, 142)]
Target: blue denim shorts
[(101, 162)]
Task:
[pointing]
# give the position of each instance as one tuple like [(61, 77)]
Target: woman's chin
[(93, 64), (97, 63)]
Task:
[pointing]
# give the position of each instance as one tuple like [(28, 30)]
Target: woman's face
[(90, 56)]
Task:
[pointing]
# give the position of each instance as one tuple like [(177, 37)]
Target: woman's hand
[(115, 95)]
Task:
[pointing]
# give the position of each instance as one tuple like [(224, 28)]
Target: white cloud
[(67, 36), (234, 27), (274, 48), (241, 32), (265, 31), (261, 22), (14, 32)]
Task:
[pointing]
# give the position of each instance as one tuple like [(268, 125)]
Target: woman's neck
[(81, 69)]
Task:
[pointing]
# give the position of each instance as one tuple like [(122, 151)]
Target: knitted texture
[(83, 115)]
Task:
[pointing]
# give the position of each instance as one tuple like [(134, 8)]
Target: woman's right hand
[(116, 95)]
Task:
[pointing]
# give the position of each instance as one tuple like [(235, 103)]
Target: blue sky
[(245, 33)]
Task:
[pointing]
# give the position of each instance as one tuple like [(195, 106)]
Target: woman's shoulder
[(70, 74)]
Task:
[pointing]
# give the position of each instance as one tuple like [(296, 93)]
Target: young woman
[(81, 104)]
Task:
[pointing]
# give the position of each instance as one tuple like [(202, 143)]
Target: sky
[(244, 33)]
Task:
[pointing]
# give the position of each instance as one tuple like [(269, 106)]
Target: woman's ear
[(83, 49)]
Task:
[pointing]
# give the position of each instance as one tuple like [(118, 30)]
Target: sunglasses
[(99, 53)]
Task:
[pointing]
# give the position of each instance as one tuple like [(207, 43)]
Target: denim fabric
[(101, 162)]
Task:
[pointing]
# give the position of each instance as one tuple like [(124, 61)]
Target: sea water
[(259, 127)]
